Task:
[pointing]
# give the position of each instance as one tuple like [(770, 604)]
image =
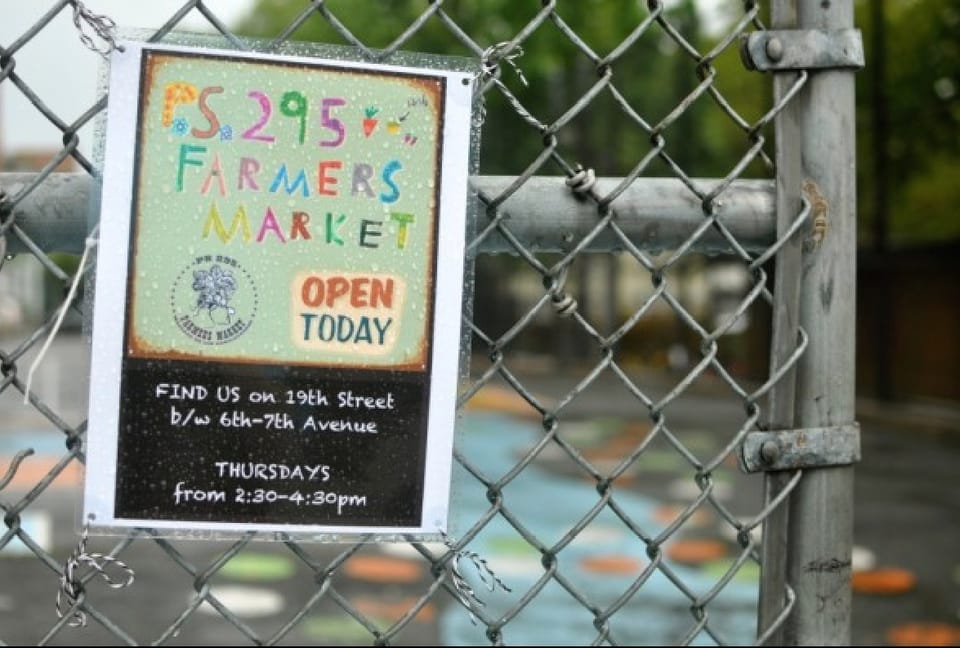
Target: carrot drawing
[(369, 123)]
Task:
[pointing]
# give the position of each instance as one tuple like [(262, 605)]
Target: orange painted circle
[(492, 398), (376, 607), (886, 580), (695, 552), (380, 569), (924, 634), (668, 513), (611, 564)]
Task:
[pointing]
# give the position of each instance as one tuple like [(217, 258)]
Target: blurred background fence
[(639, 247)]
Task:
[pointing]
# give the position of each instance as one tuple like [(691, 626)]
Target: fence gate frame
[(805, 220), (808, 541)]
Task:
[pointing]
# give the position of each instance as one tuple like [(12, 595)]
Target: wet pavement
[(908, 518)]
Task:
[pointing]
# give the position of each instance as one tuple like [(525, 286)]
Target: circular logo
[(214, 300)]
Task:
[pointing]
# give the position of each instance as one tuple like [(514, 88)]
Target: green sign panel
[(291, 190)]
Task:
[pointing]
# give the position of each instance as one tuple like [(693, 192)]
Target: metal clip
[(809, 448), (802, 49)]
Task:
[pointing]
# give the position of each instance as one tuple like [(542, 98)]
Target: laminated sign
[(279, 284)]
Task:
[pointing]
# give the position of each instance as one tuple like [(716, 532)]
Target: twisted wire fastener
[(582, 181), (71, 587), (465, 593), (489, 66), (491, 57), (563, 303), (103, 27)]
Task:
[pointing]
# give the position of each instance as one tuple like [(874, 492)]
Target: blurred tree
[(909, 129), (652, 75)]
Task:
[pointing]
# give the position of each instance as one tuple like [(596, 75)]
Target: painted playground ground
[(602, 562), (382, 581), (899, 513)]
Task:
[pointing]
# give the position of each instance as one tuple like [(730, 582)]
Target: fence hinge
[(802, 49), (809, 448)]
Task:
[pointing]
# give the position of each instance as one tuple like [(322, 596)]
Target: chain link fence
[(660, 225)]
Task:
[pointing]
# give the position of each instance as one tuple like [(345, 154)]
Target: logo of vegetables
[(214, 302), (369, 123), (214, 289)]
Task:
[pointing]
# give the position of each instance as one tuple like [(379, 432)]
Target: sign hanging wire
[(489, 72), (465, 592), (102, 26), (89, 244), (71, 585)]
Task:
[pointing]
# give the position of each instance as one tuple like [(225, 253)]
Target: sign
[(277, 316)]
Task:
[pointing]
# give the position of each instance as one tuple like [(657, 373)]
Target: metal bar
[(821, 507), (785, 321), (544, 215), (53, 215), (656, 213)]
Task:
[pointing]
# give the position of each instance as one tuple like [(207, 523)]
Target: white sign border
[(111, 289)]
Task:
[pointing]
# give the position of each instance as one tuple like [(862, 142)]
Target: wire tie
[(71, 586), (103, 27), (465, 592), (489, 63), (504, 51), (582, 181), (563, 302), (88, 245)]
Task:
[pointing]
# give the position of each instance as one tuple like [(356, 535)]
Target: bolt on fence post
[(821, 507)]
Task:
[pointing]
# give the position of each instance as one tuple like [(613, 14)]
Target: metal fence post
[(787, 280), (821, 507)]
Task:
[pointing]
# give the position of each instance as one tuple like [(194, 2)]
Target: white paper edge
[(108, 327)]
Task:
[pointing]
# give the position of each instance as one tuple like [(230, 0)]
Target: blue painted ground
[(44, 442), (548, 505)]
